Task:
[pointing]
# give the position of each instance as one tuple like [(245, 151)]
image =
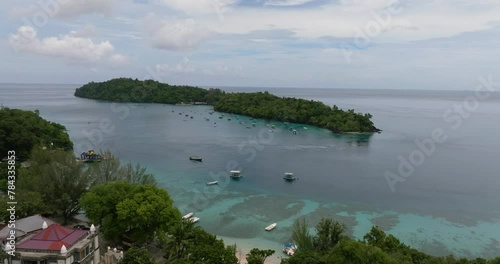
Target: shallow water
[(449, 204)]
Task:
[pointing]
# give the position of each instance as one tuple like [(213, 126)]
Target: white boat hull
[(271, 227)]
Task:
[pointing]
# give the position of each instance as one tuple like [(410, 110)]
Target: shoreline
[(244, 245)]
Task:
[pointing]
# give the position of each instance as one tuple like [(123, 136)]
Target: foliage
[(21, 130), (258, 256), (28, 204), (186, 243), (137, 256), (301, 236), (260, 105), (331, 246), (148, 91), (111, 169), (328, 234), (59, 180), (268, 106), (135, 211)]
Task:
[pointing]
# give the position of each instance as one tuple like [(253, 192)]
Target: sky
[(364, 44)]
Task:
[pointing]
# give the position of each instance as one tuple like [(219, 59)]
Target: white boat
[(289, 176), (212, 182), (235, 174), (187, 216), (271, 227), (194, 219)]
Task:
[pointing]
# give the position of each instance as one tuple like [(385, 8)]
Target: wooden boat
[(194, 219), (235, 174), (271, 227), (289, 176), (195, 158), (187, 216), (212, 182)]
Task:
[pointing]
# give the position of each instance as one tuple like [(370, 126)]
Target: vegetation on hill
[(148, 91), (268, 106), (21, 130), (259, 105)]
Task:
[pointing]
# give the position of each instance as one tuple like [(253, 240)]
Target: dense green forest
[(259, 105), (148, 91), (268, 106), (21, 130)]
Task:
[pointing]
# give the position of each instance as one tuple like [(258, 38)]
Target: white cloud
[(196, 7), (64, 8), (286, 2), (174, 34), (85, 32), (72, 48), (184, 66)]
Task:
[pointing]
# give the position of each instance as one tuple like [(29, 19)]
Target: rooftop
[(25, 226), (53, 238)]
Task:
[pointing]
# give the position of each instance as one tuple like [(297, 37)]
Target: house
[(24, 226), (53, 244)]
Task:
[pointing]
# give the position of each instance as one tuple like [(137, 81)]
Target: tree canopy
[(59, 180), (148, 91), (136, 255), (268, 106), (329, 245), (21, 130), (133, 211)]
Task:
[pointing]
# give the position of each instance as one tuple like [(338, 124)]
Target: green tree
[(137, 256), (301, 236), (22, 130), (129, 210), (110, 169), (258, 256), (28, 203), (180, 237), (58, 178), (328, 234)]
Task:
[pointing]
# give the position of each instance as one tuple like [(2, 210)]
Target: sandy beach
[(243, 247)]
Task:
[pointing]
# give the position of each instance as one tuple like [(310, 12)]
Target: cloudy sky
[(388, 44)]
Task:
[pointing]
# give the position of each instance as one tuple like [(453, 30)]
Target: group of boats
[(190, 218)]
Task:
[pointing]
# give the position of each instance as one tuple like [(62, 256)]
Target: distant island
[(258, 105)]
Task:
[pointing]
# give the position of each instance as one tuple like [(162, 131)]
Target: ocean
[(431, 178)]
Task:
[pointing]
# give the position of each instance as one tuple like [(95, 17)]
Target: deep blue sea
[(444, 199)]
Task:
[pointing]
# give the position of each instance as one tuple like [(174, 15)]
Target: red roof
[(53, 238)]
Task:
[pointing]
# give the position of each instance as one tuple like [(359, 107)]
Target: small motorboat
[(187, 216), (194, 219), (195, 158), (271, 227), (212, 182), (289, 176), (235, 174)]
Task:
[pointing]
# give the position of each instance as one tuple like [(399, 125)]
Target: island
[(257, 105)]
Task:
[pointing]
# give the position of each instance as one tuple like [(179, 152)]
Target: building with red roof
[(55, 244)]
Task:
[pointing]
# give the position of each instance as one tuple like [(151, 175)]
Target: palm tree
[(179, 237)]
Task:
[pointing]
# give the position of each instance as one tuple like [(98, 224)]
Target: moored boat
[(289, 249), (271, 227), (212, 182), (195, 158), (289, 176), (187, 216), (194, 219), (236, 174)]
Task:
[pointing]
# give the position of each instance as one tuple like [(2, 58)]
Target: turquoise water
[(448, 205)]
